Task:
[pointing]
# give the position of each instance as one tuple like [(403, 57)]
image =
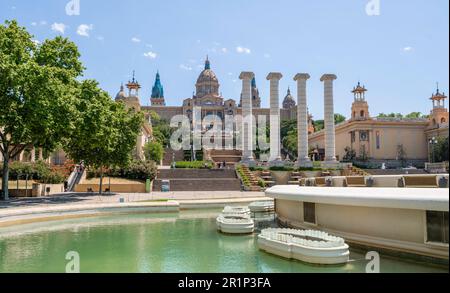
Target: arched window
[(443, 120), (362, 113)]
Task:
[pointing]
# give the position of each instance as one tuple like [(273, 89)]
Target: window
[(443, 120), (362, 114), (309, 212), (378, 139), (437, 227)]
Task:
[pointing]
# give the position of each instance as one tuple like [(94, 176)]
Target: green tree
[(37, 83), (106, 131), (441, 151), (154, 151)]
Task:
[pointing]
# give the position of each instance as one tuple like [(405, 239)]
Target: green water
[(185, 242)]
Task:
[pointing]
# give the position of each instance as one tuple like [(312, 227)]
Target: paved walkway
[(74, 199)]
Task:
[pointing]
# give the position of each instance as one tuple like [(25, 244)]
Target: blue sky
[(399, 54)]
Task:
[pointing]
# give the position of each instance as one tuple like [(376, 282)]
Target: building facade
[(386, 139)]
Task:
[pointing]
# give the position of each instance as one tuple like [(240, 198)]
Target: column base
[(304, 163), (330, 164), (276, 163), (249, 162)]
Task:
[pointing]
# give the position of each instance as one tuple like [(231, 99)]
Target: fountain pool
[(185, 242)]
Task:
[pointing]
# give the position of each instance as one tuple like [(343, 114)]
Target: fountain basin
[(235, 224), (262, 206), (309, 246)]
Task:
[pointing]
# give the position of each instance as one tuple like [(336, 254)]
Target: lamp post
[(433, 141)]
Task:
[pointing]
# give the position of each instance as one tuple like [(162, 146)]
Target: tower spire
[(207, 63)]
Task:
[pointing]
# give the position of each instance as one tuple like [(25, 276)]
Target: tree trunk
[(5, 177), (101, 181)]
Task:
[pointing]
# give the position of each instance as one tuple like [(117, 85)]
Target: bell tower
[(439, 113), (360, 107)]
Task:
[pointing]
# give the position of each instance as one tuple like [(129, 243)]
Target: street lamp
[(433, 141)]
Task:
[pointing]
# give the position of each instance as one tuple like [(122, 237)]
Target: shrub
[(38, 171), (141, 170), (154, 151), (193, 165)]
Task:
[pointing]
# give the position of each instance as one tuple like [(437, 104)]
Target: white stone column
[(302, 121), (41, 154), (330, 134), (247, 118), (275, 153), (21, 156), (33, 154)]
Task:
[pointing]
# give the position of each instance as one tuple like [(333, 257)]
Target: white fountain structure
[(309, 246), (262, 206), (235, 220)]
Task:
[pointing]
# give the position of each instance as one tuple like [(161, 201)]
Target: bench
[(355, 181), (320, 182), (420, 181)]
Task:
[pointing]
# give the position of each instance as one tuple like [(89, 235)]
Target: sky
[(398, 49)]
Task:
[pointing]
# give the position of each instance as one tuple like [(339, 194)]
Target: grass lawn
[(113, 181)]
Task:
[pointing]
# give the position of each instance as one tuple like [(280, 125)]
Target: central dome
[(207, 82)]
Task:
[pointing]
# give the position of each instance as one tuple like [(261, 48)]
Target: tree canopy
[(106, 131), (37, 85)]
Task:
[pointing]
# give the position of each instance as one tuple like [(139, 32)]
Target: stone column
[(41, 154), (21, 156), (302, 121), (247, 118), (275, 154), (330, 134), (33, 154)]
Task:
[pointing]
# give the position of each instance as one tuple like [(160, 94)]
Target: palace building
[(386, 140), (208, 96)]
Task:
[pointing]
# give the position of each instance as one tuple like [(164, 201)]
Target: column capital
[(328, 77), (302, 76), (274, 75), (246, 75)]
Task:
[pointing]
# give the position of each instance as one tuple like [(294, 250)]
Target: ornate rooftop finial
[(207, 63), (134, 76), (158, 89)]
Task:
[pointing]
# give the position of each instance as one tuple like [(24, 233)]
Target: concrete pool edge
[(27, 215)]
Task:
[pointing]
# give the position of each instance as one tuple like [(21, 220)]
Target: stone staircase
[(168, 156), (230, 157), (295, 178), (198, 180), (355, 171), (253, 182), (268, 179)]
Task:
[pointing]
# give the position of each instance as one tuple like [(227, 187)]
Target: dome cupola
[(288, 102)]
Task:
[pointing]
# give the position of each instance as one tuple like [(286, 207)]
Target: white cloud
[(185, 67), (84, 29), (100, 38), (34, 23), (43, 22), (59, 27), (224, 50), (135, 40), (243, 50), (408, 49), (150, 55), (36, 42)]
